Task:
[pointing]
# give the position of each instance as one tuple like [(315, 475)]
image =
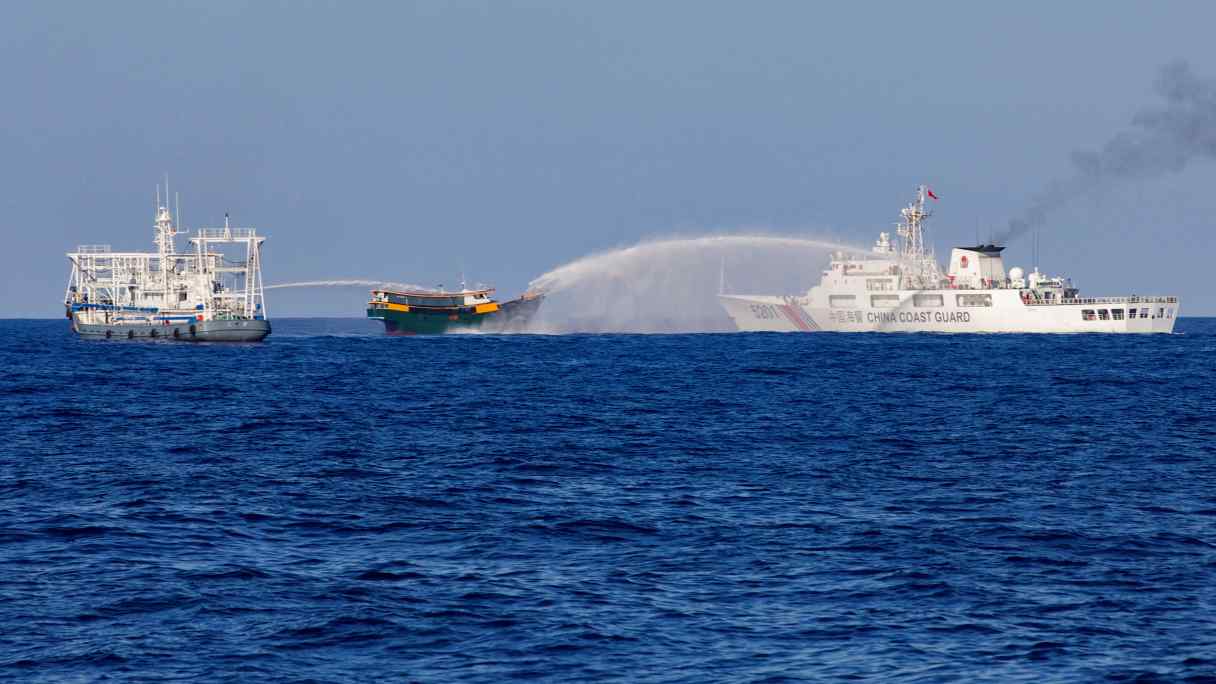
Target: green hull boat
[(438, 312)]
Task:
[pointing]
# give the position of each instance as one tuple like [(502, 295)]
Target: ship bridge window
[(879, 284), (1131, 313), (430, 301), (1160, 312), (1116, 314), (1103, 315), (884, 301), (927, 300), (842, 301), (974, 300), (1087, 315), (1144, 312)]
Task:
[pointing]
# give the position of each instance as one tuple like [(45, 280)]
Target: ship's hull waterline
[(200, 331), (1008, 314), (512, 316)]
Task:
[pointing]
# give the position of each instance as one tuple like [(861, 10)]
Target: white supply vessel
[(902, 289), (211, 292)]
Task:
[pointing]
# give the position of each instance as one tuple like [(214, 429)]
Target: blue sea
[(335, 505)]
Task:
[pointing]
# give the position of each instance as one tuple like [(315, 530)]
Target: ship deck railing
[(1103, 300), (224, 233)]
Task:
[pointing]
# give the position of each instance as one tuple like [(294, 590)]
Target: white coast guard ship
[(902, 289), (212, 292)]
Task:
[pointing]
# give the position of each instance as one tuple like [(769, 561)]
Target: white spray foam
[(670, 285), (621, 261)]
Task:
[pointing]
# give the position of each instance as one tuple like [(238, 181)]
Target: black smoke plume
[(1161, 141)]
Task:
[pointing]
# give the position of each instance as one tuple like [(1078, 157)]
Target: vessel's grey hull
[(199, 331)]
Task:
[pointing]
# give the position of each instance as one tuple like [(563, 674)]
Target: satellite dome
[(1016, 273)]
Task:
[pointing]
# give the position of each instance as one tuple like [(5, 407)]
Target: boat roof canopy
[(435, 293), (986, 250)]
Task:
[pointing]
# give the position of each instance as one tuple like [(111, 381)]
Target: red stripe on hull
[(797, 320)]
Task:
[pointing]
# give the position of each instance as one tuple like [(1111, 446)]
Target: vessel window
[(927, 300), (880, 284), (1144, 313), (884, 301), (1160, 313), (1116, 314), (433, 301), (1087, 314), (1103, 315), (1131, 313), (974, 300), (842, 301)]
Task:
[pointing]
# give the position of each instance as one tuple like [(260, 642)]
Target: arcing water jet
[(347, 283), (620, 261), (671, 285)]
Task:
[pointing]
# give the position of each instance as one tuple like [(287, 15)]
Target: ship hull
[(185, 331), (512, 316), (1006, 314)]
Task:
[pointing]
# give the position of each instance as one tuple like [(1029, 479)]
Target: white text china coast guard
[(902, 288)]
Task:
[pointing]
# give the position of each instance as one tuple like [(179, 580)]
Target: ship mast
[(910, 229), (920, 264), (165, 247)]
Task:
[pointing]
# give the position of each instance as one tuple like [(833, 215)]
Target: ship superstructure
[(210, 292), (901, 287)]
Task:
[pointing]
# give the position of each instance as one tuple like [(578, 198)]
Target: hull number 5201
[(765, 311)]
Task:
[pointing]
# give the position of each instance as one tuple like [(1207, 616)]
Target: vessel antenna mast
[(917, 260), (165, 232)]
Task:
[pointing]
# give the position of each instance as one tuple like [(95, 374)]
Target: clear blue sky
[(406, 141)]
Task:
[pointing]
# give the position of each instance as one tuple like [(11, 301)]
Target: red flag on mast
[(930, 193)]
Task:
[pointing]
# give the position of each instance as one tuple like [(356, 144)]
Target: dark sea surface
[(337, 505)]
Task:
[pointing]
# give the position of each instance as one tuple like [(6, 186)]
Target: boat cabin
[(434, 299)]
